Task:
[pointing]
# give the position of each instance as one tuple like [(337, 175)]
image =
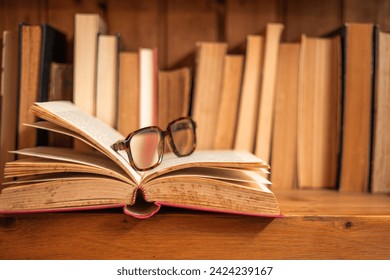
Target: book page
[(66, 114), (205, 158), (92, 159), (59, 129), (229, 174)]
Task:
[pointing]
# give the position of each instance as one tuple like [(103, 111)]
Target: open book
[(62, 179)]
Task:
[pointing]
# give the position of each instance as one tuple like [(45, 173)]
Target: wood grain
[(247, 17), (140, 23), (368, 11), (12, 12), (313, 18), (317, 225), (188, 22)]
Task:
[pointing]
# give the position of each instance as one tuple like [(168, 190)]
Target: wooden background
[(173, 26)]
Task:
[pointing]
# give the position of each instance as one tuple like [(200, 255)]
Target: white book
[(87, 28), (148, 86), (107, 79)]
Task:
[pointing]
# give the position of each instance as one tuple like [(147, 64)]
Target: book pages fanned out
[(63, 179)]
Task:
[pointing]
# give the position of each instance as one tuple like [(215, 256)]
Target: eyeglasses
[(145, 146)]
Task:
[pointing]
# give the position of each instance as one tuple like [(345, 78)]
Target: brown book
[(30, 45), (230, 98), (107, 79), (284, 137), (128, 99), (60, 179), (357, 108), (267, 93), (380, 175), (174, 88), (207, 90), (61, 82), (9, 93), (87, 27), (319, 111), (249, 100), (39, 46)]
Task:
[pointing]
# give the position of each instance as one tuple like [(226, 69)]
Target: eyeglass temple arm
[(118, 145)]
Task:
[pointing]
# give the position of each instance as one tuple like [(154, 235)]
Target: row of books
[(124, 90), (315, 109), (119, 87)]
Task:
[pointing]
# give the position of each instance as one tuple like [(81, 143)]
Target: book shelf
[(317, 225)]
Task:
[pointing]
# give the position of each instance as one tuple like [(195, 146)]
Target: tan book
[(284, 137), (267, 93), (148, 74), (128, 99), (9, 93), (87, 27), (207, 90), (357, 108), (319, 112), (174, 88), (230, 98), (250, 94), (60, 179), (380, 176), (107, 79), (30, 57)]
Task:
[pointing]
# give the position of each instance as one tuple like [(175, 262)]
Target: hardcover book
[(319, 109), (250, 94), (62, 179)]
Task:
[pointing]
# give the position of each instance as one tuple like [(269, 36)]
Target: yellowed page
[(92, 159), (228, 174), (204, 158), (62, 130), (66, 114)]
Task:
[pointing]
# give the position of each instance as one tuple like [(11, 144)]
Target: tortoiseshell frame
[(125, 144)]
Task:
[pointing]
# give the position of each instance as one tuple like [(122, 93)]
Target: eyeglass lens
[(183, 136), (146, 148)]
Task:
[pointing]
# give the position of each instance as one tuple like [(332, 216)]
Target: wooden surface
[(173, 26), (317, 225)]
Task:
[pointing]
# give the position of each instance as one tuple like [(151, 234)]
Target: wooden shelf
[(317, 225)]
